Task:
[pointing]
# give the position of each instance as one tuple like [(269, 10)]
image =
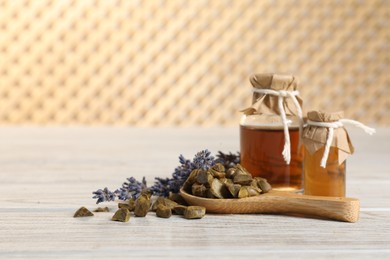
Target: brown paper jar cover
[(314, 137), (267, 105)]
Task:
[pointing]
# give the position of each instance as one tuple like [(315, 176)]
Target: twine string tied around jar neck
[(282, 94), (333, 125)]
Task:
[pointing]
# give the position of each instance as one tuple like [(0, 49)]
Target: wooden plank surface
[(47, 173)]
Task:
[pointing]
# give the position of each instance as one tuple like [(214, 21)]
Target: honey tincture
[(270, 132), (327, 146)]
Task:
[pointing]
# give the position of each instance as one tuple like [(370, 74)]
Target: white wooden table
[(48, 173)]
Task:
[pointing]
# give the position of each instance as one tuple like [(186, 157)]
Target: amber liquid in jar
[(329, 181), (261, 154)]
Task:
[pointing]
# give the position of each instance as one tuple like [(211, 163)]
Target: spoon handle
[(344, 209)]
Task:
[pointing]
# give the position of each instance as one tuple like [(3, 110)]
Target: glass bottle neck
[(268, 121)]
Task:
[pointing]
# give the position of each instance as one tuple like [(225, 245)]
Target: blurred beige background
[(180, 62)]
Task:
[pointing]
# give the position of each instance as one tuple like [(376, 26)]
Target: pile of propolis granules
[(163, 207), (223, 178)]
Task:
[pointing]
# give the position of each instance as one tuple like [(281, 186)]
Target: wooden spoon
[(279, 202)]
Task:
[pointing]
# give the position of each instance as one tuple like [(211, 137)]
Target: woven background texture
[(187, 62)]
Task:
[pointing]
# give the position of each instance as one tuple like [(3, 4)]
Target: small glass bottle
[(262, 136), (328, 179)]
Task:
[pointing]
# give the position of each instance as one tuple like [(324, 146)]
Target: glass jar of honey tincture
[(270, 132), (327, 146)]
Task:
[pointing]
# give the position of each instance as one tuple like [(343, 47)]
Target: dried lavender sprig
[(164, 186), (161, 187), (103, 195), (228, 159), (202, 160), (131, 189)]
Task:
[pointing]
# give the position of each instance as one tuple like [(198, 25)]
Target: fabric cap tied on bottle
[(276, 95), (326, 130)]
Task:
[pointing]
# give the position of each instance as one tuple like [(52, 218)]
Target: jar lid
[(319, 116), (265, 103), (274, 81), (315, 137)]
